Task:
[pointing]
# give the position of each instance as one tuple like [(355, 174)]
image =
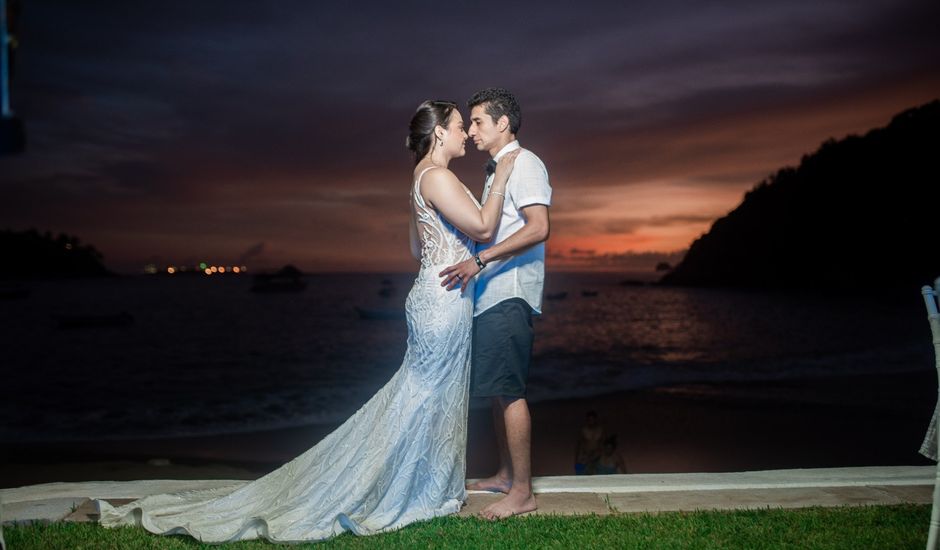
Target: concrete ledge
[(110, 489), (566, 495), (752, 499), (766, 479)]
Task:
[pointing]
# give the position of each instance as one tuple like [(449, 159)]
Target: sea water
[(158, 356)]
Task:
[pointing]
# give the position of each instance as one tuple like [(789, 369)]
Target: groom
[(508, 292)]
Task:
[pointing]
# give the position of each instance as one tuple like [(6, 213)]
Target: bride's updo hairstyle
[(421, 130)]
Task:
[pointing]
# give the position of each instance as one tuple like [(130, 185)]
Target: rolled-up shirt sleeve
[(528, 183)]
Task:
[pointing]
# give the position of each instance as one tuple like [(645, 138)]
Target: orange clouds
[(660, 188)]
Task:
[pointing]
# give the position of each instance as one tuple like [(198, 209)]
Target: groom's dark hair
[(498, 102)]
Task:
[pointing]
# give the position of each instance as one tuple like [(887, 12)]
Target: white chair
[(931, 443)]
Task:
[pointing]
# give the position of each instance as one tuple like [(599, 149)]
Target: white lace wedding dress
[(399, 459)]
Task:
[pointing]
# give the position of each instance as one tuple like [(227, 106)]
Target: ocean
[(158, 356)]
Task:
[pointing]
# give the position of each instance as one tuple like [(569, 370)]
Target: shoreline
[(863, 420)]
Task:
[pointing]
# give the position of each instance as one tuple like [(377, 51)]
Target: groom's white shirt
[(522, 275)]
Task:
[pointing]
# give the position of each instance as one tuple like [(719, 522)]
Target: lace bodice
[(441, 242)]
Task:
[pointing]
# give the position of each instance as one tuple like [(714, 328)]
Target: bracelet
[(480, 263), (497, 193)]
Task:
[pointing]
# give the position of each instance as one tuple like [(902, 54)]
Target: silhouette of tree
[(28, 255), (858, 212)]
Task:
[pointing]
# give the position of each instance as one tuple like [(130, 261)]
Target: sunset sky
[(272, 132)]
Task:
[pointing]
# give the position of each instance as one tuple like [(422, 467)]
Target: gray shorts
[(501, 349)]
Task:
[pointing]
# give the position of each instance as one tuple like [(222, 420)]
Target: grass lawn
[(894, 527)]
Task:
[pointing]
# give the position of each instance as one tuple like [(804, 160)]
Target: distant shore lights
[(223, 269), (203, 268)]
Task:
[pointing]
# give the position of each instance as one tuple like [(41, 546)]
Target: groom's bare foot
[(495, 484), (513, 504)]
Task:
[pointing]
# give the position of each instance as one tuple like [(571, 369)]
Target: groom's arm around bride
[(536, 230)]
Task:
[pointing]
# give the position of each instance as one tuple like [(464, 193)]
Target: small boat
[(277, 285), (589, 293), (388, 288), (375, 314), (556, 296), (123, 319), (14, 293), (287, 279)]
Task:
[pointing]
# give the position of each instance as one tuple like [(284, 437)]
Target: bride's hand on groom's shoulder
[(505, 163), (459, 274)]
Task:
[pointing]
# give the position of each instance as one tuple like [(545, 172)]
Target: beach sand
[(825, 422)]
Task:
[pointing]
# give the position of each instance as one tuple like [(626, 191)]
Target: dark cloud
[(218, 124), (595, 225), (248, 255), (625, 261)]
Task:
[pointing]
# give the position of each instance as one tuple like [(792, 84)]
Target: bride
[(401, 457)]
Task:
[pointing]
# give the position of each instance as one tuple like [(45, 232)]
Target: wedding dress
[(399, 459)]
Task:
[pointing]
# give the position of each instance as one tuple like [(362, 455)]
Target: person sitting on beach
[(588, 449), (610, 461)]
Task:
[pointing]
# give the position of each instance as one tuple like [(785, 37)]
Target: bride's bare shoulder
[(438, 176)]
